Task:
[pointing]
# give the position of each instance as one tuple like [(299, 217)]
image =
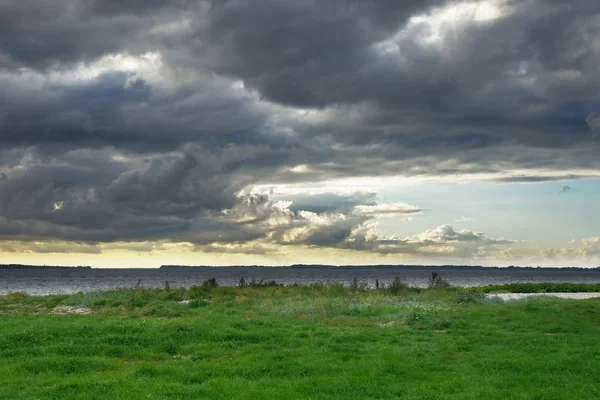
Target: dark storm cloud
[(116, 109), (40, 34), (301, 53), (182, 186), (136, 201), (71, 116), (478, 77), (93, 149)]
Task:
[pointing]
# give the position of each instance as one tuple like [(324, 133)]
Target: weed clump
[(358, 286), (398, 287), (469, 297)]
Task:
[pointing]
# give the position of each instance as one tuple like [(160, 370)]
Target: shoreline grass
[(265, 340)]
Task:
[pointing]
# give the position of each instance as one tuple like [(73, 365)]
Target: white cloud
[(387, 209), (447, 234), (586, 249)]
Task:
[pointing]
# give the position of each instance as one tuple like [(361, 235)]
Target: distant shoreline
[(24, 266), (384, 266), (314, 267)]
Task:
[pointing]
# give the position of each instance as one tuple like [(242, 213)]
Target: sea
[(65, 280)]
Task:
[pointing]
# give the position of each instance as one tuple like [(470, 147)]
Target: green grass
[(298, 342)]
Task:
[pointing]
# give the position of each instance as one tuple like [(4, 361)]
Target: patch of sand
[(518, 296), (71, 310)]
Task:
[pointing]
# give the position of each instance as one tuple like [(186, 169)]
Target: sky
[(136, 133)]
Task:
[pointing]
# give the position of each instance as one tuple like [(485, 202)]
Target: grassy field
[(304, 342)]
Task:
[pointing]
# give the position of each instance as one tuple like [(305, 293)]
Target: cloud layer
[(152, 121)]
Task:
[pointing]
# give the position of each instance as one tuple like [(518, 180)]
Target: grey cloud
[(593, 121), (537, 178), (155, 200), (181, 186), (50, 247)]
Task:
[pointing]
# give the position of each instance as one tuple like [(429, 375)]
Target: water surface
[(41, 281)]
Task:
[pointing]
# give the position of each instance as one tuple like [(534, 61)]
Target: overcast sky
[(149, 132)]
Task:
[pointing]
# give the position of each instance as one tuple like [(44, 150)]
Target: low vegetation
[(541, 288), (265, 340)]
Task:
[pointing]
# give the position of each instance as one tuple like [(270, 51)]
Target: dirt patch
[(71, 310)]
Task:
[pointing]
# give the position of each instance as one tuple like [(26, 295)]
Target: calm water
[(71, 280)]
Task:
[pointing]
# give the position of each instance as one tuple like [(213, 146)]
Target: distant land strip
[(317, 266)]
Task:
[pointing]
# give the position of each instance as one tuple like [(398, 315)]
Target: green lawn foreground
[(311, 342)]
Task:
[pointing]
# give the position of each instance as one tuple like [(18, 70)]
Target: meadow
[(268, 341)]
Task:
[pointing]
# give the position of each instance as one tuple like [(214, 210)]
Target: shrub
[(262, 284), (397, 287), (413, 317), (436, 282), (209, 284)]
